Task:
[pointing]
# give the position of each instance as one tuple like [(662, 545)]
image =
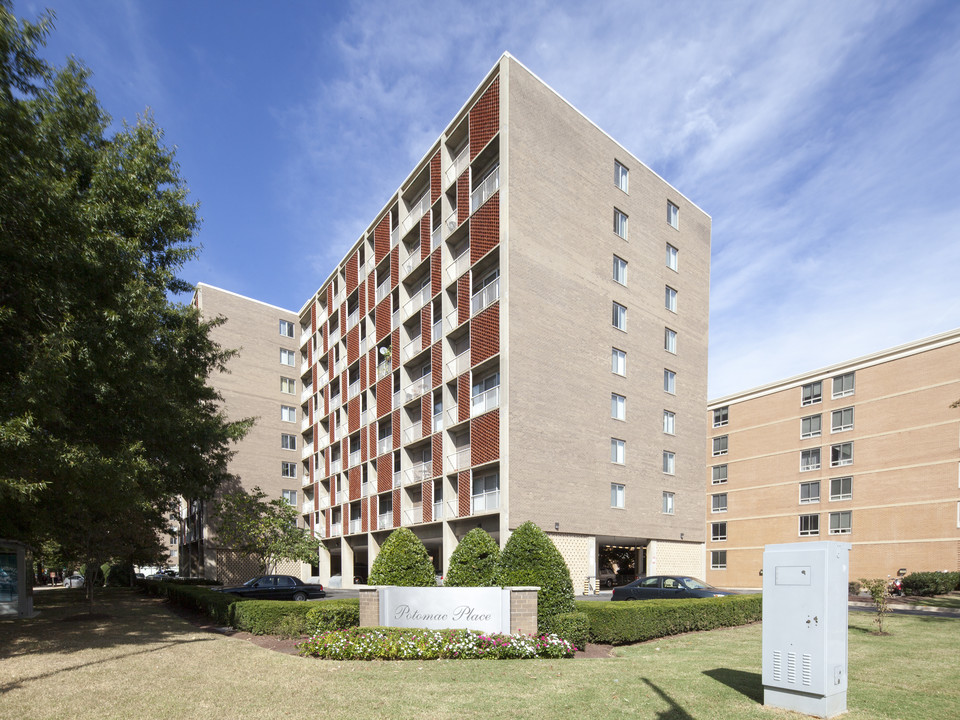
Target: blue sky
[(822, 137)]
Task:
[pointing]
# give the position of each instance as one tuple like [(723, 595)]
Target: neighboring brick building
[(482, 357), (867, 452), (262, 382)]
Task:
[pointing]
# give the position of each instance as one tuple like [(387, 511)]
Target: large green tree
[(105, 412)]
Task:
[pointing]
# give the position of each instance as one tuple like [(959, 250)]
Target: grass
[(144, 662), (944, 601)]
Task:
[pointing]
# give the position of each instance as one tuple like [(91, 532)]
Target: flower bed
[(416, 644)]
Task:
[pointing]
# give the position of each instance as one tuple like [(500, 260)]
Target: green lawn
[(143, 662)]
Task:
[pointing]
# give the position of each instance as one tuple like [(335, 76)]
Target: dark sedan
[(276, 587), (661, 587)]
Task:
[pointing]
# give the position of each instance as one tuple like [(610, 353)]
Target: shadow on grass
[(749, 684), (676, 712)]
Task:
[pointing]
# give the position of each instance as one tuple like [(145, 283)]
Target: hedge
[(621, 623), (573, 627), (333, 615), (931, 583)]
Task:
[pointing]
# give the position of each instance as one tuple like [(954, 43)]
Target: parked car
[(658, 587), (74, 581), (275, 587)]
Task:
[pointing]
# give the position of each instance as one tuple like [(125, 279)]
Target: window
[(841, 523), (841, 488), (841, 454), (673, 258), (486, 493), (288, 414), (810, 394), (288, 442), (670, 298), (288, 385), (841, 420), (618, 407), (670, 340), (667, 503), (620, 223), (809, 525), (810, 426), (670, 382), (286, 357), (617, 449), (618, 362), (621, 176), (718, 559), (620, 270), (720, 445), (718, 474), (288, 469), (619, 317), (616, 495), (485, 394), (810, 459), (721, 416), (843, 385), (286, 328), (673, 215), (718, 503), (669, 422), (810, 492), (718, 531), (290, 496), (669, 462)]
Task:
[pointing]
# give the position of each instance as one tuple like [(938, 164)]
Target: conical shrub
[(473, 561), (531, 558), (403, 561)]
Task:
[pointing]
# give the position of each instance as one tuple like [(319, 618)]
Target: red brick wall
[(385, 396), (463, 397), (436, 451), (384, 478), (463, 493), (428, 500), (326, 519), (485, 228), (463, 196), (313, 317), (396, 507), (436, 363), (426, 414), (426, 329), (395, 344), (485, 438), (371, 288), (395, 421), (363, 443), (330, 297), (435, 177), (485, 334), (362, 367), (324, 337), (353, 415), (362, 298), (381, 239), (353, 263), (395, 267), (463, 298), (365, 514), (425, 236), (355, 477), (436, 275), (381, 316), (353, 345), (485, 118)]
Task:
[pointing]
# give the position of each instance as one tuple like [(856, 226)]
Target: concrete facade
[(462, 361), (888, 475), (252, 387)]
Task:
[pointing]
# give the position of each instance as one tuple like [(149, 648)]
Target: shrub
[(333, 615), (403, 561), (531, 558), (853, 587), (573, 627), (418, 644), (621, 623), (930, 583), (269, 617), (877, 587), (116, 575), (472, 562)]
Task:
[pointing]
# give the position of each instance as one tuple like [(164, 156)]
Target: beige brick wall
[(667, 557), (576, 551)]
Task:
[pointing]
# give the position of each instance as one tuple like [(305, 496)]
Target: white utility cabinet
[(805, 627)]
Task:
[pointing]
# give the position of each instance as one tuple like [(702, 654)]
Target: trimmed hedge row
[(573, 627), (931, 583), (333, 615), (621, 623)]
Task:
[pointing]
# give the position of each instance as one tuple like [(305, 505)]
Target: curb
[(952, 612)]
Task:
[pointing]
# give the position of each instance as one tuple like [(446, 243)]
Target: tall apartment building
[(866, 452), (519, 334), (262, 382)]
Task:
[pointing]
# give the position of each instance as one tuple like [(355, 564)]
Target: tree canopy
[(105, 411)]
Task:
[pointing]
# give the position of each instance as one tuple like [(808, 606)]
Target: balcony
[(394, 237), (452, 508), (436, 237), (437, 424), (336, 529), (485, 401), (322, 316), (384, 369), (384, 445), (363, 345), (383, 289), (355, 526), (483, 192), (305, 422), (418, 473), (339, 298), (460, 364), (413, 348), (336, 466), (385, 520), (413, 433), (339, 365), (354, 458), (334, 336), (413, 259), (324, 502), (417, 301), (453, 416), (436, 330), (484, 502), (304, 366), (437, 511), (352, 319), (417, 211), (395, 320), (307, 451), (335, 401), (366, 417), (353, 389), (305, 336), (366, 489), (458, 166), (486, 296), (396, 478), (460, 460), (307, 507), (417, 388), (396, 400), (306, 393), (323, 441), (307, 480), (453, 320), (413, 516), (459, 266)]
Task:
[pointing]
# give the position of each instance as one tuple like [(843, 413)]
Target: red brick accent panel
[(435, 177), (395, 267), (330, 439), (330, 297), (363, 443), (326, 401), (463, 196), (384, 478), (396, 507), (353, 415), (485, 228), (371, 290), (395, 423), (363, 372), (353, 344), (463, 494), (314, 377), (354, 490), (436, 275), (365, 515), (362, 298), (485, 334), (353, 262), (324, 337), (463, 298), (395, 344), (426, 327), (381, 316), (436, 363), (427, 500), (426, 414), (381, 239), (463, 397), (485, 118), (313, 317), (326, 519), (436, 452), (424, 236), (485, 438), (384, 396)]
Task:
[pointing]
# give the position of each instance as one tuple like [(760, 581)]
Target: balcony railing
[(490, 184), (453, 416), (437, 511), (396, 478), (383, 289), (353, 389), (363, 345), (458, 166), (460, 364), (307, 451), (324, 502), (419, 209), (319, 530), (453, 319), (437, 330), (484, 502), (385, 520), (305, 421), (460, 460), (304, 366), (485, 296), (354, 458), (334, 336), (339, 298), (438, 422), (355, 526), (384, 369), (306, 393), (413, 259), (366, 417), (452, 508), (395, 320), (416, 302), (339, 365), (334, 401), (384, 445), (396, 400), (413, 516), (366, 489), (485, 401), (336, 466), (352, 319), (394, 237), (336, 529), (418, 473), (307, 507), (414, 347), (459, 266), (413, 433), (322, 316), (436, 237), (417, 388), (323, 441)]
